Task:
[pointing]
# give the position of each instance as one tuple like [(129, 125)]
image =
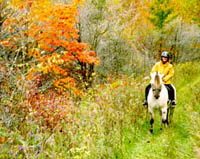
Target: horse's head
[(156, 83)]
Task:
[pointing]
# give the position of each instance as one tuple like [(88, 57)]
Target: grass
[(110, 123), (178, 140)]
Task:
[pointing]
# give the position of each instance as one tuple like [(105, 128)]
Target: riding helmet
[(165, 54)]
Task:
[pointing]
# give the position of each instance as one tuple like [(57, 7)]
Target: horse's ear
[(152, 77)]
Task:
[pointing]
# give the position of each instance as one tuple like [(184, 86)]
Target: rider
[(163, 67)]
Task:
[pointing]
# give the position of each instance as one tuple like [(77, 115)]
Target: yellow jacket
[(166, 69)]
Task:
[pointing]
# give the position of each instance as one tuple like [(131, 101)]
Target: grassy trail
[(111, 123), (179, 141)]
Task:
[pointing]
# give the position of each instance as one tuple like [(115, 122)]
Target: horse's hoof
[(151, 131), (160, 128)]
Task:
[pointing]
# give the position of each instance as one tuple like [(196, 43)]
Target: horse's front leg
[(164, 117), (152, 120)]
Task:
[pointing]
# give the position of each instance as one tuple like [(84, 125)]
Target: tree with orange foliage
[(51, 39)]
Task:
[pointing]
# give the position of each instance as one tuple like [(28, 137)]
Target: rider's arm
[(169, 75), (155, 68)]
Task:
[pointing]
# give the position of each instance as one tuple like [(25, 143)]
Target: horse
[(158, 99)]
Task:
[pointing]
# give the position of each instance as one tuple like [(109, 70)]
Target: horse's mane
[(157, 79)]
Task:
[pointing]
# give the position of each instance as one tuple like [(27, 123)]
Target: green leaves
[(160, 12), (100, 4)]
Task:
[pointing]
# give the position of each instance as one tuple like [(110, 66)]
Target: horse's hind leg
[(171, 109), (167, 116)]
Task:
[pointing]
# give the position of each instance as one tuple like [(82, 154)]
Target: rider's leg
[(172, 95), (146, 94), (168, 89)]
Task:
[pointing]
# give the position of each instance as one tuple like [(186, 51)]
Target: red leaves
[(51, 107)]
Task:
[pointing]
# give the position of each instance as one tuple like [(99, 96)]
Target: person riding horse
[(165, 68)]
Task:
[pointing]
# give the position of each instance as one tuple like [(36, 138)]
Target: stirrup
[(173, 103)]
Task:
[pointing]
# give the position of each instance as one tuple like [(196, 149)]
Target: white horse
[(158, 98)]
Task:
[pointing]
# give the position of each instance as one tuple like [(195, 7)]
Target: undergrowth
[(108, 121)]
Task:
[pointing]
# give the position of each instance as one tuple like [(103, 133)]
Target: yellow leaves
[(45, 70), (34, 52), (21, 4), (78, 2), (196, 45), (56, 59), (114, 2), (42, 67), (134, 15), (50, 64)]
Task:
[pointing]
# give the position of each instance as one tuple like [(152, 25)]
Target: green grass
[(110, 123), (177, 141)]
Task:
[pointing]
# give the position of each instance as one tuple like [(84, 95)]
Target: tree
[(51, 39)]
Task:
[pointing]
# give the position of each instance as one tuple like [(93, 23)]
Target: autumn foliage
[(51, 108), (51, 38), (42, 47)]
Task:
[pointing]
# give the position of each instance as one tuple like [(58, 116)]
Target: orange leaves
[(65, 82), (49, 24), (9, 21), (50, 64), (49, 34), (2, 140), (83, 54), (89, 57), (5, 43), (9, 44), (55, 24)]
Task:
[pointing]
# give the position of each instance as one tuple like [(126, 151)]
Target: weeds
[(106, 122)]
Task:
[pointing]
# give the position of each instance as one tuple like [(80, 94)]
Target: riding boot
[(173, 103), (171, 93), (145, 103)]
